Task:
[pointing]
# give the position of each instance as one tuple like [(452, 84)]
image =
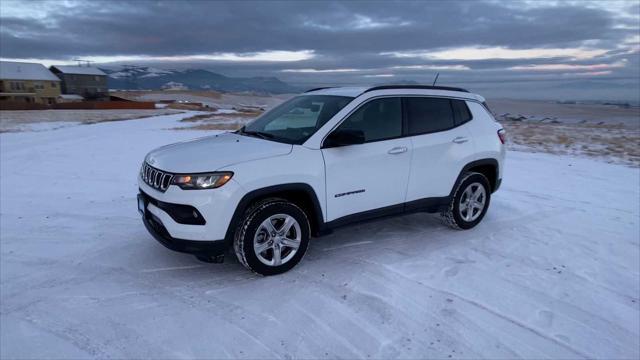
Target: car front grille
[(157, 179)]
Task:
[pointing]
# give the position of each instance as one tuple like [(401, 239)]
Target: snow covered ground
[(43, 120), (551, 272), (211, 98)]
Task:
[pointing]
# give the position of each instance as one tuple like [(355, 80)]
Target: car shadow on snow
[(383, 240)]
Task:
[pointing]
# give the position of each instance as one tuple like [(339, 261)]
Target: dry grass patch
[(191, 107), (231, 121), (213, 126), (134, 95), (246, 116), (195, 118), (615, 143)]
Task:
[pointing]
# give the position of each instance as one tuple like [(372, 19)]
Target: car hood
[(213, 153)]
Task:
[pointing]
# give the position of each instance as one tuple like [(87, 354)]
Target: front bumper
[(215, 207), (157, 229)]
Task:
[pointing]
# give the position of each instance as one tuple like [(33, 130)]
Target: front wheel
[(272, 237), (469, 203)]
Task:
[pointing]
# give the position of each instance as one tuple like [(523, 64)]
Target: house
[(88, 82), (22, 82)]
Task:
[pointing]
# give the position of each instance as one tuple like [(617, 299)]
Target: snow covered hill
[(150, 78), (552, 271)]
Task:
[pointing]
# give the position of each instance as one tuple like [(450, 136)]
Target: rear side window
[(378, 119), (461, 112), (426, 115)]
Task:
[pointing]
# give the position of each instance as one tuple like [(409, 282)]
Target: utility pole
[(86, 62)]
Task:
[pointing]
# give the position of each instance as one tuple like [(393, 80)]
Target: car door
[(442, 144), (374, 174)]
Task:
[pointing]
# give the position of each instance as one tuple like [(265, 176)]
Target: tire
[(463, 214), (271, 249)]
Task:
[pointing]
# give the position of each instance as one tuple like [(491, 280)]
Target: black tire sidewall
[(474, 177), (256, 218)]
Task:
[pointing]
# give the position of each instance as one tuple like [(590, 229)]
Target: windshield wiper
[(259, 134)]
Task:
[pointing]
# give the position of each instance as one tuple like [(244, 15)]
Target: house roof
[(78, 70), (12, 70)]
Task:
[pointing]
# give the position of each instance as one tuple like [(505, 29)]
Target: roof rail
[(424, 87), (320, 88)]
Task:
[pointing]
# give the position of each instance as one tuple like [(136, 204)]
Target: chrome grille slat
[(157, 179), (166, 180)]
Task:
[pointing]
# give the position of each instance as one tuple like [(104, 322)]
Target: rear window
[(486, 106), (461, 112), (426, 115)]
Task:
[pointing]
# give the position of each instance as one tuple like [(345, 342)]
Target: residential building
[(88, 82), (22, 82)]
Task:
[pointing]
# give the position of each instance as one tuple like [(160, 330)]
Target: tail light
[(502, 135)]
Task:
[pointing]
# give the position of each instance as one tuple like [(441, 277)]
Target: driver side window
[(379, 119)]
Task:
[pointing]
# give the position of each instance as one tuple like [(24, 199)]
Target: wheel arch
[(301, 194), (487, 167)]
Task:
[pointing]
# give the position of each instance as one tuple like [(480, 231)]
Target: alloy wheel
[(277, 239), (472, 202)]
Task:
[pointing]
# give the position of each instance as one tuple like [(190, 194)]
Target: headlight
[(202, 181)]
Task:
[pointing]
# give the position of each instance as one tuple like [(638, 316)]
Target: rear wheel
[(272, 237), (469, 203)]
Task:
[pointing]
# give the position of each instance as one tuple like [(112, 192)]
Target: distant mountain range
[(149, 78)]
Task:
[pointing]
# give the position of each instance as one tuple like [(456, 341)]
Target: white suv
[(328, 157)]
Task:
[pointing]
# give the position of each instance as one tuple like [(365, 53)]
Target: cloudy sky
[(536, 49)]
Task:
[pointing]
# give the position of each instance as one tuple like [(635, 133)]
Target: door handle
[(460, 140), (398, 150)]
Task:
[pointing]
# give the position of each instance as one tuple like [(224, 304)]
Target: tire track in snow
[(496, 313), (416, 309), (347, 245)]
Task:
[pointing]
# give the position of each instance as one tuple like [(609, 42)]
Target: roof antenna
[(436, 79)]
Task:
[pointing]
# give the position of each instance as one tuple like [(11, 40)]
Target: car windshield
[(295, 120)]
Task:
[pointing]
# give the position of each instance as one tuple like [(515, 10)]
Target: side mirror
[(344, 138)]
